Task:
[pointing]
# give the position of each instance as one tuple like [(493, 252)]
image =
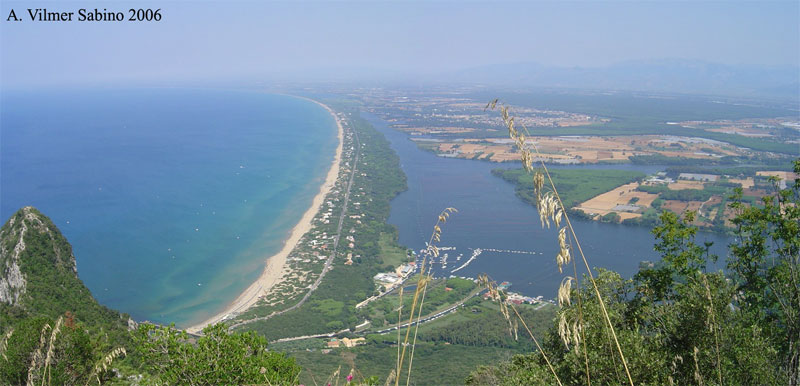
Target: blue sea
[(171, 198)]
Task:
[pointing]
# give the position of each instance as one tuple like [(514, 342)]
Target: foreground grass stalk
[(536, 342), (408, 330), (51, 350), (594, 285), (521, 143), (580, 320), (713, 327), (37, 355), (399, 318), (498, 295), (432, 250), (416, 328)]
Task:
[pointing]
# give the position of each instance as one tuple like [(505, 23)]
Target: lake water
[(171, 199), (491, 218)]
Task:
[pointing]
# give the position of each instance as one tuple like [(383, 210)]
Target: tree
[(764, 267), (61, 352), (218, 357), (674, 322)]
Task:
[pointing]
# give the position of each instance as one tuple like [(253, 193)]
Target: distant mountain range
[(668, 75), (680, 76)]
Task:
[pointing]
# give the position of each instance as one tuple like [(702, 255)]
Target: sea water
[(171, 198)]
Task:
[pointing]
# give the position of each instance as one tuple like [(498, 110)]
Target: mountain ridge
[(39, 276), (655, 75)]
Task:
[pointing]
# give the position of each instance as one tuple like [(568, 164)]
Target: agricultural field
[(706, 195), (758, 128), (620, 196), (606, 123), (574, 186), (625, 200), (587, 149)]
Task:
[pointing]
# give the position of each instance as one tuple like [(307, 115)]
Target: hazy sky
[(212, 40)]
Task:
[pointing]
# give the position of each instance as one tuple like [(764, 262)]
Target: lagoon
[(513, 245)]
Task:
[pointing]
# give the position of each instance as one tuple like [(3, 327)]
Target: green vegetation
[(713, 217), (391, 253), (649, 217), (440, 294), (53, 306), (214, 359), (56, 333), (574, 185), (485, 326), (736, 171), (377, 180), (665, 193), (638, 108), (612, 217), (52, 286), (635, 115), (161, 355), (659, 159), (439, 364), (764, 266), (676, 322), (447, 350), (74, 351), (329, 307)]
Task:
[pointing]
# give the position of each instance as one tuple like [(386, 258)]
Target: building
[(626, 208), (385, 277), (347, 342), (653, 180), (404, 270), (697, 177)]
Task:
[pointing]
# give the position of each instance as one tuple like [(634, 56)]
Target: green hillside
[(54, 332), (40, 277)]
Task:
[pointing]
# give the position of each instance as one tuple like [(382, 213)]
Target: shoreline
[(273, 269)]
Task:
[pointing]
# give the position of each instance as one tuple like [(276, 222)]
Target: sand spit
[(275, 263)]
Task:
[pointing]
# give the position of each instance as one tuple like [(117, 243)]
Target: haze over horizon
[(213, 41)]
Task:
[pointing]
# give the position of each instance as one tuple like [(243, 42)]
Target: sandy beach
[(272, 274)]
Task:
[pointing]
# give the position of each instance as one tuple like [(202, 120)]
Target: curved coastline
[(273, 270)]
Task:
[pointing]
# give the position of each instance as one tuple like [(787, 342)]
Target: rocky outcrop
[(15, 235), (39, 276), (12, 283)]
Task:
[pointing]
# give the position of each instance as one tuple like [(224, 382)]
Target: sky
[(209, 40)]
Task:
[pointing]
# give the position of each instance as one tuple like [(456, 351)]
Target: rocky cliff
[(38, 274)]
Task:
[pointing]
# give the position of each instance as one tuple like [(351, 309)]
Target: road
[(430, 318), (329, 261), (382, 294)]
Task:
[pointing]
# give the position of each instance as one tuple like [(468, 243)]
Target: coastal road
[(329, 261), (328, 335), (427, 318), (430, 318)]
